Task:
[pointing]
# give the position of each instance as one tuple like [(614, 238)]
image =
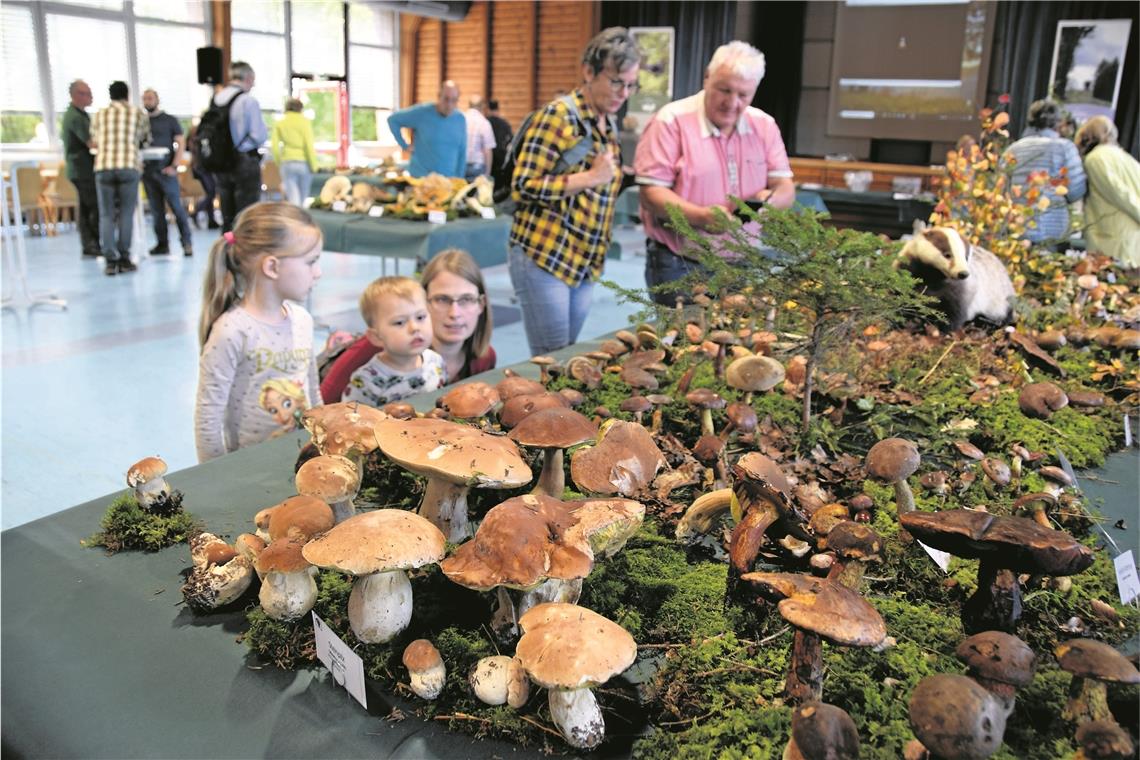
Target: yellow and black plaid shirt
[(119, 130), (566, 235)]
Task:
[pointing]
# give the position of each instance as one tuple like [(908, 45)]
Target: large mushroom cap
[(565, 646), (1105, 740), (145, 470), (303, 516), (624, 461), (330, 478), (892, 459), (555, 428), (998, 656), (1040, 400), (518, 408), (1087, 658), (379, 541), (1016, 543), (754, 373), (453, 452), (606, 523), (954, 717), (516, 385), (852, 540), (282, 556), (343, 427), (823, 607), (824, 732), (519, 544), (470, 400)]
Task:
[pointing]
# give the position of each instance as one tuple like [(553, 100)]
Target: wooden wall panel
[(429, 60), (564, 28), (512, 59), (467, 55)]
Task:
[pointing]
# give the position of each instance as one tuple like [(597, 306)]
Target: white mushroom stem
[(505, 619), (288, 596), (552, 480), (428, 683), (380, 606), (550, 590), (445, 506), (150, 492), (342, 510), (578, 717), (904, 499)]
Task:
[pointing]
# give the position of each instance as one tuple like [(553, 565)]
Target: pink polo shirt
[(682, 150)]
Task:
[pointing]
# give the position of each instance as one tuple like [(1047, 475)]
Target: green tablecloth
[(484, 239), (320, 178)]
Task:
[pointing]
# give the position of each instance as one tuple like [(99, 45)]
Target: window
[(163, 50), (23, 101), (372, 67), (368, 25), (262, 16), (67, 34), (266, 54), (183, 11), (318, 37)]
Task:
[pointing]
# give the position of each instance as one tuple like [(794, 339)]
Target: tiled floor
[(88, 391)]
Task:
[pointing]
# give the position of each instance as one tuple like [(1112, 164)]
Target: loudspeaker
[(209, 65)]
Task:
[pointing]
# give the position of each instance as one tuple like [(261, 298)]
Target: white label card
[(1127, 432), (345, 665), (1126, 580), (308, 202), (437, 217), (487, 213), (339, 206), (376, 211), (941, 558)]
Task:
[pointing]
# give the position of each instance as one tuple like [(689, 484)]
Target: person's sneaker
[(126, 265), (111, 269), (187, 251), (159, 250)]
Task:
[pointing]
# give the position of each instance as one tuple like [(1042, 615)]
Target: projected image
[(1087, 61)]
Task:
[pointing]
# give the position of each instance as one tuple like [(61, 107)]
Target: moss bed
[(127, 526)]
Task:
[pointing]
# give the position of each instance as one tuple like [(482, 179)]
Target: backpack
[(575, 154), (214, 141)]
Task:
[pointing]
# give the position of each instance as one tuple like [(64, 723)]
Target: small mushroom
[(219, 576), (1040, 400), (1038, 504), (288, 589), (515, 385), (822, 732), (1086, 399), (955, 718), (334, 480), (425, 667), (997, 471), (636, 405), (893, 460), (151, 488), (1000, 663), (1093, 664), (705, 400), (542, 362), (500, 680), (553, 430), (855, 545), (401, 410), (969, 450)]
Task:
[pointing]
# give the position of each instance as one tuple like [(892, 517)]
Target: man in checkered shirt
[(118, 131)]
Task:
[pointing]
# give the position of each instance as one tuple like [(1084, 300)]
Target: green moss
[(127, 526)]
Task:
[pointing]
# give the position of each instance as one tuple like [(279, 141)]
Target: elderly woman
[(293, 151), (566, 181), (1112, 211)]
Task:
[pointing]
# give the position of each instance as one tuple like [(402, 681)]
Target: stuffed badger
[(969, 282)]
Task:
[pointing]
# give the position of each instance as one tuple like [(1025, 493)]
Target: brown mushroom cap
[(636, 404), (1088, 658), (998, 656), (1040, 400), (1105, 740), (824, 732), (638, 379), (759, 469), (420, 655), (707, 449), (705, 398), (823, 607), (145, 470), (565, 646), (343, 427), (852, 540), (574, 398), (645, 358), (892, 459), (518, 408), (969, 450), (470, 400), (377, 541), (1015, 543), (456, 453), (303, 516), (283, 556), (824, 519), (754, 373), (997, 471), (401, 410), (606, 523), (555, 428), (1086, 399), (956, 718), (742, 416), (329, 478), (624, 461)]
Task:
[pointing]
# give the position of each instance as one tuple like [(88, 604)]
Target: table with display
[(100, 658)]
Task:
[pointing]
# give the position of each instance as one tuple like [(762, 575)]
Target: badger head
[(941, 248)]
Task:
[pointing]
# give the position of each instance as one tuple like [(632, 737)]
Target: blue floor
[(90, 390)]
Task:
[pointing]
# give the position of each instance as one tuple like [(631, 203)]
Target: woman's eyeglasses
[(465, 301), (618, 85)]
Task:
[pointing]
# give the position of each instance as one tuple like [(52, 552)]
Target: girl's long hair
[(263, 229), (460, 263)]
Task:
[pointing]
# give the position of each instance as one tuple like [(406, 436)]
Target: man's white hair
[(741, 58)]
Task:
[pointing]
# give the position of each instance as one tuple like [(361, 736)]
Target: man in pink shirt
[(698, 151)]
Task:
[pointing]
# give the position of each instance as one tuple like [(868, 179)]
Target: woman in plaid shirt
[(567, 177)]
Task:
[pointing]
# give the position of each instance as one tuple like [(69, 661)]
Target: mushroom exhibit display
[(568, 650), (378, 548)]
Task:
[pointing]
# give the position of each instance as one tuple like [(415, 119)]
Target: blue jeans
[(118, 193), (162, 189), (662, 266), (297, 181), (552, 311)]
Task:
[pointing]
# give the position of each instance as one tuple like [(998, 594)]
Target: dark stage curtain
[(1023, 55), (777, 30)]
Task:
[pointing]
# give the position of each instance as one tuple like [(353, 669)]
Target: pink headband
[(229, 237)]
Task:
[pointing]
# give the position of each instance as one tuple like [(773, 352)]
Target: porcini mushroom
[(499, 680), (426, 670), (822, 732), (1093, 664), (855, 544), (761, 492), (1040, 400), (288, 589), (379, 548), (334, 480), (754, 374), (624, 460), (705, 400), (470, 401), (1000, 663), (568, 650), (220, 574), (553, 430), (152, 492), (301, 516), (1104, 740), (893, 460), (344, 428), (955, 718), (518, 408)]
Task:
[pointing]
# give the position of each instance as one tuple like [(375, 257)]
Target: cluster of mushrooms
[(532, 552)]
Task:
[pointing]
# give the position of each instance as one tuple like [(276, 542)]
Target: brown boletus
[(454, 458), (969, 450), (639, 379), (955, 718), (301, 516), (1093, 664), (334, 480), (470, 401), (1006, 546), (345, 428), (401, 410), (426, 670), (763, 495), (705, 399), (855, 545), (741, 419), (220, 574), (516, 385), (146, 478), (1086, 399), (584, 371), (754, 374), (637, 406), (893, 460), (1104, 740), (822, 732), (624, 460), (543, 363), (1001, 663), (1040, 400), (288, 590), (819, 609), (997, 471), (723, 339), (517, 408), (827, 517), (553, 430)]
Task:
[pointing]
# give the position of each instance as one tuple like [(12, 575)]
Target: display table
[(320, 178), (484, 239)]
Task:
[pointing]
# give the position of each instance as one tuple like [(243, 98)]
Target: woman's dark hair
[(1044, 114)]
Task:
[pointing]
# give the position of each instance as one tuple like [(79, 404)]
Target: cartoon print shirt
[(377, 384), (254, 380)]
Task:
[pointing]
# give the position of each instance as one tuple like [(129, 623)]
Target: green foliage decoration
[(127, 526)]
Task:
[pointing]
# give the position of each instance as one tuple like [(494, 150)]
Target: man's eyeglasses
[(465, 301), (618, 85)]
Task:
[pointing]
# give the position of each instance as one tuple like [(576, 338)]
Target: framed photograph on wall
[(656, 77), (1088, 58)]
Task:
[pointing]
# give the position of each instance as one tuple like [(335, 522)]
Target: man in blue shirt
[(240, 186), (439, 134)]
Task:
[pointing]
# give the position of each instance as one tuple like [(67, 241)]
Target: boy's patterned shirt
[(377, 384)]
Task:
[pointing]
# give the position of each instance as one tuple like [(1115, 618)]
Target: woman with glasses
[(566, 182), (461, 324)]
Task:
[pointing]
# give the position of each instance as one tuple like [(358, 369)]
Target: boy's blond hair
[(401, 287)]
